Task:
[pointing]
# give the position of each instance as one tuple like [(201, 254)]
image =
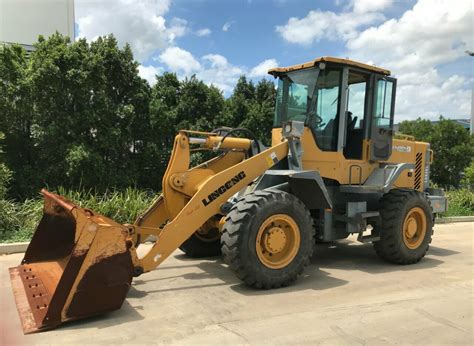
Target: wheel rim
[(209, 232), (278, 241), (208, 235), (414, 228)]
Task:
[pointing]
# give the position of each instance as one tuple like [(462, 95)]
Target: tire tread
[(388, 247), (236, 224)]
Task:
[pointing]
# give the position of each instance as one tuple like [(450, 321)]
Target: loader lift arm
[(80, 263), (193, 196)]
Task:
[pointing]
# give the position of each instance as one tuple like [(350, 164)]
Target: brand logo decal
[(402, 148), (223, 188)]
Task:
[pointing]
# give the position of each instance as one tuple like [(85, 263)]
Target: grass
[(18, 221), (460, 203)]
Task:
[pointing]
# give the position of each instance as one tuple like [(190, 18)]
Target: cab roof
[(275, 71)]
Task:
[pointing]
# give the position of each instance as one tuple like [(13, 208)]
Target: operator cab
[(343, 102)]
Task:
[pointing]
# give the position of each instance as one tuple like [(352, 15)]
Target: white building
[(22, 21)]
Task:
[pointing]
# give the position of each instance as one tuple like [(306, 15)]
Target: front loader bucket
[(78, 264)]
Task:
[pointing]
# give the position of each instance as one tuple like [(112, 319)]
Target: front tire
[(268, 238), (407, 227)]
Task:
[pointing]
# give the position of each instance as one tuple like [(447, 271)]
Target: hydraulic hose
[(243, 129)]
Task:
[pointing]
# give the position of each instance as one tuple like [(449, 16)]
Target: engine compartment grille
[(418, 166)]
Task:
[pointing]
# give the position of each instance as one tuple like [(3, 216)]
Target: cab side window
[(382, 122), (355, 113), (357, 90), (325, 124), (383, 104)]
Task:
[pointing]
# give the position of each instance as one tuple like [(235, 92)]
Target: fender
[(306, 185)]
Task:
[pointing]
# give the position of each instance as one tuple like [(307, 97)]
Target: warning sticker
[(272, 159)]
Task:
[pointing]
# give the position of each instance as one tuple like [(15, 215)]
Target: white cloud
[(219, 72), (415, 47), (325, 24), (226, 26), (216, 60), (430, 34), (149, 73), (363, 6), (450, 98), (178, 28), (179, 60), (261, 69), (213, 69), (140, 23), (203, 32)]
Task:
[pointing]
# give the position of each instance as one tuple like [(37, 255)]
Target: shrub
[(18, 221), (5, 177), (121, 206), (9, 218), (468, 179), (460, 203)]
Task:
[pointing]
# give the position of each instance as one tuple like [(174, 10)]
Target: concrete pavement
[(347, 296)]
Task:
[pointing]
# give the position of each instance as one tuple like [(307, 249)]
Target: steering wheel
[(312, 118)]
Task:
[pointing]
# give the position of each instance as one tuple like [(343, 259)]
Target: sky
[(423, 42)]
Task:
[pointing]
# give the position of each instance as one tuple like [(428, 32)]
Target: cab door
[(381, 130)]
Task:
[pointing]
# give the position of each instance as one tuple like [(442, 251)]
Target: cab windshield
[(295, 96), (312, 96)]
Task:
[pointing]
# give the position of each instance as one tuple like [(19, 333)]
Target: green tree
[(468, 179), (16, 116), (160, 133), (199, 107), (76, 114), (260, 111), (237, 105), (454, 149), (421, 129), (452, 145), (177, 105), (252, 107), (5, 173)]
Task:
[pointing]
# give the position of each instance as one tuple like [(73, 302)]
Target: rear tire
[(407, 227), (268, 239), (198, 246)]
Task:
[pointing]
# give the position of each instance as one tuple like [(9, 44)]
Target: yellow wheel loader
[(335, 168)]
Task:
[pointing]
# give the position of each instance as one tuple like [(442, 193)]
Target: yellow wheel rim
[(414, 228), (209, 232), (278, 241), (208, 236)]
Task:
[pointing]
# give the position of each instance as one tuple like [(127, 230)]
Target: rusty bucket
[(78, 264)]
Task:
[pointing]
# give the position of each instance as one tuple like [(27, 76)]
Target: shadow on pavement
[(124, 315), (343, 255), (438, 251), (312, 278), (350, 255)]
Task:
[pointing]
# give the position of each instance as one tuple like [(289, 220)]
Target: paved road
[(347, 296)]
